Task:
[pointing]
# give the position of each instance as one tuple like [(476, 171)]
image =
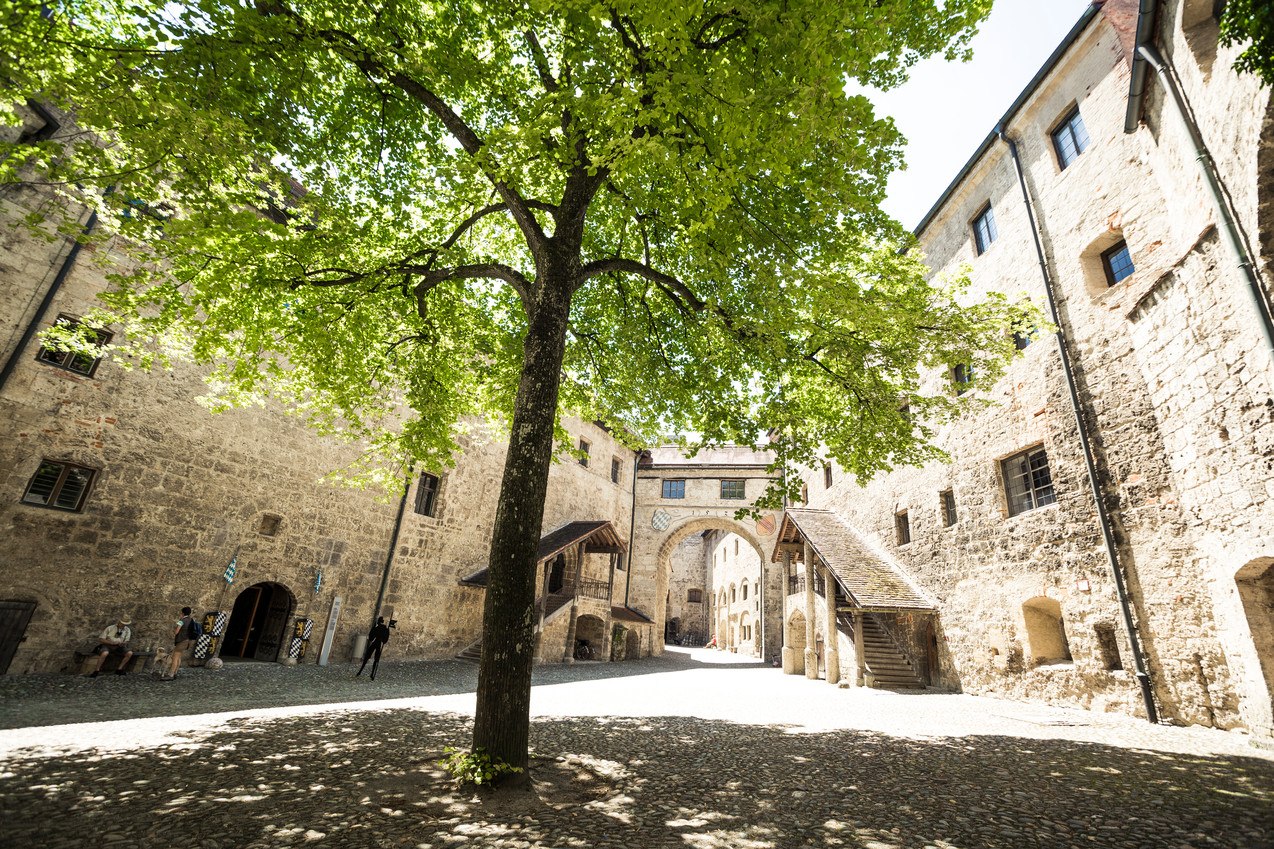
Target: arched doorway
[(1255, 583), (796, 642), (258, 622), (590, 632)]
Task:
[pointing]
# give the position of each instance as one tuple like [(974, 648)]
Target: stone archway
[(258, 623)]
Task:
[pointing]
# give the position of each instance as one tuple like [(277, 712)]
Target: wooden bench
[(86, 661)]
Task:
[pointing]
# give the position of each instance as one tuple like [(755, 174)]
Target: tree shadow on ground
[(37, 700), (371, 779)]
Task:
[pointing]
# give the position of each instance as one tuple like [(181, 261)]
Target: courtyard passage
[(694, 749)]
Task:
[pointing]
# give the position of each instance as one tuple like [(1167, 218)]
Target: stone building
[(1103, 533), (120, 495)]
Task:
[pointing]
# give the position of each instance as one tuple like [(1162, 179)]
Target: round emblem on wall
[(765, 526), (660, 520)]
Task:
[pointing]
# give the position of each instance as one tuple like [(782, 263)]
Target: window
[(427, 494), (827, 475), (674, 489), (1118, 263), (984, 232), (805, 494), (902, 527), (962, 376), (1023, 338), (947, 497), (732, 489), (61, 486), (1027, 482), (84, 364), (745, 591), (694, 596), (584, 448), (269, 525), (736, 548), (733, 594), (1070, 139), (614, 469)]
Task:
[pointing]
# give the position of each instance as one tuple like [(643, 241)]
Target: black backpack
[(193, 629)]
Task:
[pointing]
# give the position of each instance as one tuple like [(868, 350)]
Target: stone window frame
[(735, 492), (984, 230), (1117, 269), (673, 488), (1070, 129), (60, 471), (616, 468), (902, 528), (743, 595), (694, 595), (72, 361), (1039, 494), (427, 497), (947, 506), (585, 447)]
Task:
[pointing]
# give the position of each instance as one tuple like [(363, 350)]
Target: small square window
[(733, 489), (694, 596), (984, 232), (1022, 339), (584, 448), (60, 486), (674, 489), (947, 497), (962, 377), (427, 494), (1028, 484), (902, 527), (1118, 263), (71, 360), (1070, 139), (269, 525), (827, 475), (615, 468)]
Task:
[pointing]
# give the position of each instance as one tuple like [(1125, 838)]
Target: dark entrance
[(257, 623), (557, 575), (14, 616)]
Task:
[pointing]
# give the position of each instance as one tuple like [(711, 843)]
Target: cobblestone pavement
[(693, 750)]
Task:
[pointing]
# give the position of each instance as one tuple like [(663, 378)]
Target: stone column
[(789, 653), (833, 634), (861, 665), (544, 600), (811, 657)]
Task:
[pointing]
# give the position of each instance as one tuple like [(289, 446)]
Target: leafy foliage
[(1251, 20), (475, 767)]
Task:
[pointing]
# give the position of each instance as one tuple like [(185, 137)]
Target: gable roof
[(601, 536), (868, 579)]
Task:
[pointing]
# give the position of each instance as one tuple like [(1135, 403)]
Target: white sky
[(947, 109)]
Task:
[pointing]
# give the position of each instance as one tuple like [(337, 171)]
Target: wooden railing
[(593, 589)]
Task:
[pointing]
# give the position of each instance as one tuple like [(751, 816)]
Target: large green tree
[(663, 215)]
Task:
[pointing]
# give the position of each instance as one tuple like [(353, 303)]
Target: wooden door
[(270, 637), (14, 616)]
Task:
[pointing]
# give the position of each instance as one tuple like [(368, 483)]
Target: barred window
[(1027, 481), (60, 486)]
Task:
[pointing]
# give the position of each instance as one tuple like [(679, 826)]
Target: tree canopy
[(661, 215)]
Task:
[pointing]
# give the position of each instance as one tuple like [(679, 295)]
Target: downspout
[(67, 264), (393, 545), (1229, 226), (1103, 518), (632, 526)]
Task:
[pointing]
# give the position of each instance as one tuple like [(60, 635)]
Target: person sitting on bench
[(114, 642)]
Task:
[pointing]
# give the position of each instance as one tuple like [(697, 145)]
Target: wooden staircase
[(889, 666), (555, 602)]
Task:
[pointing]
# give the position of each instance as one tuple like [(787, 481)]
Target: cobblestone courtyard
[(693, 749)]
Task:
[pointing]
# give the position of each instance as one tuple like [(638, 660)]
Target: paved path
[(694, 750)]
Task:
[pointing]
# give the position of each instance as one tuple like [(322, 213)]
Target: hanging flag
[(232, 568)]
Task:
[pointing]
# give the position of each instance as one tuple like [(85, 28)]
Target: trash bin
[(360, 646)]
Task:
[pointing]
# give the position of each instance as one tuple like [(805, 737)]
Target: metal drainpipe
[(393, 544), (632, 526), (1143, 676), (67, 264), (1228, 224)]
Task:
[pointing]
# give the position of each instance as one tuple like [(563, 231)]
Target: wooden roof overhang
[(871, 583), (597, 538)]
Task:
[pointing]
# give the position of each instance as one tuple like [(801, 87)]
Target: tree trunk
[(502, 722)]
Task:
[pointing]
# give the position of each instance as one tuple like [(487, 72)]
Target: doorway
[(14, 616), (257, 623)]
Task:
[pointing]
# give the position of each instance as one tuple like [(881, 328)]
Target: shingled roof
[(870, 581), (601, 536)]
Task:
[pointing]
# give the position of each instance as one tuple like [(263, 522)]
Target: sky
[(946, 109)]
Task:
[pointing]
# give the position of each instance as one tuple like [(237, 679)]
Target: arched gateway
[(686, 502)]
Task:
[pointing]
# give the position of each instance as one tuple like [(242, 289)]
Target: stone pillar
[(789, 653), (833, 634), (861, 659), (568, 656), (544, 600), (811, 657)]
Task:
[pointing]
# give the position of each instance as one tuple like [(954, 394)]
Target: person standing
[(114, 641), (183, 639), (376, 639)]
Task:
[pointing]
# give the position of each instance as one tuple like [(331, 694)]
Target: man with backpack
[(184, 635)]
